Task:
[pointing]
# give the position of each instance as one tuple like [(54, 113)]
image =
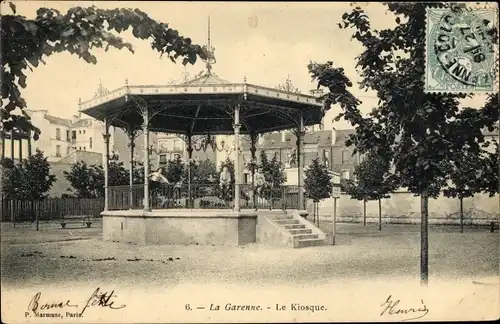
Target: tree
[(470, 174), (373, 182), (86, 180), (27, 41), (175, 170), (29, 180), (273, 175), (421, 131), (318, 184), (138, 172), (200, 174)]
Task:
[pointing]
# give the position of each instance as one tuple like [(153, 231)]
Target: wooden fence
[(49, 209)]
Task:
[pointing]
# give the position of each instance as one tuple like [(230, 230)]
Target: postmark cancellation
[(462, 50)]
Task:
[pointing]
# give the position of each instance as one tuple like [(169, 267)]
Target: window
[(58, 150), (90, 143), (345, 174), (58, 133), (73, 135), (84, 131), (176, 145), (67, 136), (79, 132), (163, 159), (343, 157), (84, 148), (67, 150)]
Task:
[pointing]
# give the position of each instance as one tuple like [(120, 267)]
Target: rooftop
[(205, 105)]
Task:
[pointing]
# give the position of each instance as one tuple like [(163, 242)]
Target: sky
[(265, 42)]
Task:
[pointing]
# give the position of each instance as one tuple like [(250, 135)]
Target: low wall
[(404, 208), (268, 232), (180, 227)]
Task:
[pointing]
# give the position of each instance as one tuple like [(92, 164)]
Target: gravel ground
[(79, 256)]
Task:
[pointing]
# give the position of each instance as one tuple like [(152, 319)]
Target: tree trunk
[(36, 215), (317, 211), (12, 214), (364, 212), (461, 215), (314, 212), (380, 214), (424, 241)]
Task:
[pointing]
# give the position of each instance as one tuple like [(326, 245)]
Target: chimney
[(334, 135), (261, 139)]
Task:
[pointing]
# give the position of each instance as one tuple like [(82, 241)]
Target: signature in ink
[(97, 299), (36, 305), (102, 299), (391, 307)]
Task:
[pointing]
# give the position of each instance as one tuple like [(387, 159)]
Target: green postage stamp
[(461, 50)]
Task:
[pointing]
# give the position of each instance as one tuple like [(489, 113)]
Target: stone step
[(310, 242), (300, 231), (295, 226), (306, 236), (287, 221), (284, 216)]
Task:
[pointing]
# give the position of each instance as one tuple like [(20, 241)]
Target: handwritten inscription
[(393, 307), (39, 307)]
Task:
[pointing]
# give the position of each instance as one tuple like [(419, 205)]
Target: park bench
[(74, 219), (493, 226)]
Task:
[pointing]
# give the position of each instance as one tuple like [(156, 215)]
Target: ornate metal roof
[(207, 79), (203, 107)]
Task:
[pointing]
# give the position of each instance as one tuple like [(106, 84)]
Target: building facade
[(327, 145), (59, 137)]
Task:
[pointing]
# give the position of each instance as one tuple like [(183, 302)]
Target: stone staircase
[(302, 234)]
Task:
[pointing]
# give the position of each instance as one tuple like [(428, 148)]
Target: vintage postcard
[(210, 162)]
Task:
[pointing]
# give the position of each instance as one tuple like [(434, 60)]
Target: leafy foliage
[(87, 181), (373, 179), (202, 174), (272, 170), (175, 170), (470, 174), (79, 31), (29, 180), (273, 175), (419, 132), (318, 182)]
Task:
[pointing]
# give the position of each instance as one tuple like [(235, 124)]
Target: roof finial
[(126, 82), (210, 52), (245, 79)]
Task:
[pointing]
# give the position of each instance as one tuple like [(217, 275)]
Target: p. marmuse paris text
[(278, 307)]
